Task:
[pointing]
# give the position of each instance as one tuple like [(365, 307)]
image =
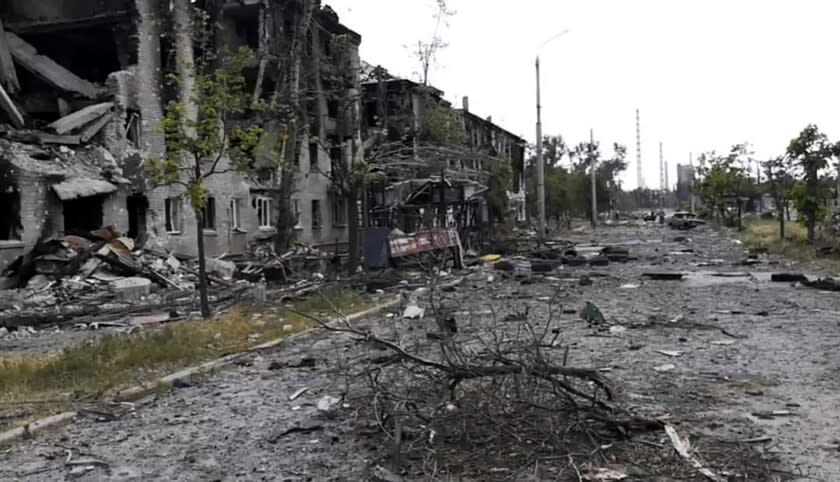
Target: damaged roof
[(81, 187)]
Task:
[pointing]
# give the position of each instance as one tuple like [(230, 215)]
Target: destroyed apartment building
[(76, 129), (438, 163)]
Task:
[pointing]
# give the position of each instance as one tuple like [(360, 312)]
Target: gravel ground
[(746, 346)]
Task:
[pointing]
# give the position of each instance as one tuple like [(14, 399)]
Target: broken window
[(313, 156), (332, 108), (132, 129), (266, 175), (371, 111), (174, 215), (339, 209), (248, 30), (235, 214), (136, 206), (296, 211), (335, 156), (208, 213), (83, 214), (264, 212), (10, 225), (316, 214)]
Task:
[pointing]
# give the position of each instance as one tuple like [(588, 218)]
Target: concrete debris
[(683, 448), (327, 404), (132, 289), (605, 475), (670, 353), (101, 274), (46, 69), (723, 342), (298, 393), (80, 118), (413, 312), (223, 268)]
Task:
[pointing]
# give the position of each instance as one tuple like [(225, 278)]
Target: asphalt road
[(717, 352)]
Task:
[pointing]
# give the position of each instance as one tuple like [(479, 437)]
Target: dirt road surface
[(728, 355)]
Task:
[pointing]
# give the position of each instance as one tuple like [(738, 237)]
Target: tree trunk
[(353, 230), (781, 214), (184, 58), (204, 303), (265, 37), (289, 90)]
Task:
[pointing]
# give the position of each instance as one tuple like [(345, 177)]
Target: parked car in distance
[(684, 220)]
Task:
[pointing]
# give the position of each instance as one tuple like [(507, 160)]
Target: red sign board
[(423, 242)]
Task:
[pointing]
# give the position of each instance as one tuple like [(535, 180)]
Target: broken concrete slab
[(94, 127), (11, 109), (82, 117), (8, 74), (46, 69), (223, 268), (46, 138), (132, 289), (148, 320)]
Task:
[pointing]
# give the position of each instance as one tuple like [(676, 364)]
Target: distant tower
[(665, 168), (640, 181), (662, 183), (662, 180)]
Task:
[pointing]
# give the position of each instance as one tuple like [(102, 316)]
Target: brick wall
[(42, 213)]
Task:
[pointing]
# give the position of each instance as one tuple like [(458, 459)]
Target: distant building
[(685, 181)]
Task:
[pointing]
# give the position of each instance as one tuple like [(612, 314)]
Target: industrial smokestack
[(466, 103)]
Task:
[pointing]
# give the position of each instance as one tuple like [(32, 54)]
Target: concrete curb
[(138, 392)]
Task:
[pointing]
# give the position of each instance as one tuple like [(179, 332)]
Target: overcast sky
[(705, 74)]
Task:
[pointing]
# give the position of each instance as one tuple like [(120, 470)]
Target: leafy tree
[(441, 124), (568, 189), (811, 151), (781, 181), (720, 177), (212, 142)]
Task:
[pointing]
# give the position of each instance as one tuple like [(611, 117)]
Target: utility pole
[(540, 164), (593, 166), (661, 179), (640, 181), (691, 183)]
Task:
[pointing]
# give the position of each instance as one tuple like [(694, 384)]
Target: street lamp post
[(540, 164)]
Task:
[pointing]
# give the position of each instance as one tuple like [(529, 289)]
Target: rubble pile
[(101, 276)]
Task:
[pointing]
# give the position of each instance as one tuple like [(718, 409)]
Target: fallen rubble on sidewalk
[(101, 276)]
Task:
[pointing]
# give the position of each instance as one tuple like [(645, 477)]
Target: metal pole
[(691, 183), (593, 166), (540, 164)]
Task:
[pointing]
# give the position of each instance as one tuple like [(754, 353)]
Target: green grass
[(105, 365), (765, 234)]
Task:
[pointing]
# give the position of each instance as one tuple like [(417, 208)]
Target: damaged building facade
[(439, 163), (77, 132)]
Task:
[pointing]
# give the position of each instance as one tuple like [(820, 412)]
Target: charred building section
[(110, 100), (440, 167), (82, 95)]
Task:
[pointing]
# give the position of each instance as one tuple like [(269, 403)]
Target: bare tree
[(427, 51)]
